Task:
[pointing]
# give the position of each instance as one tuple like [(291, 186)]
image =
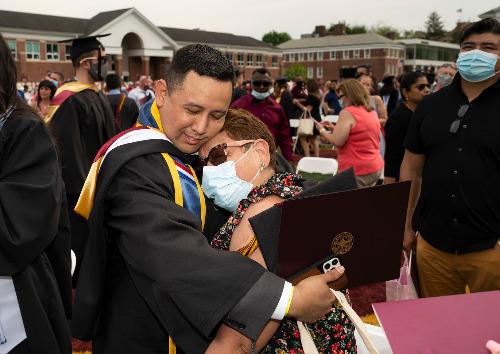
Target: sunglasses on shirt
[(460, 114), (218, 154)]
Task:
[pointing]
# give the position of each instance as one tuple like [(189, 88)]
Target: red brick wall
[(36, 70)]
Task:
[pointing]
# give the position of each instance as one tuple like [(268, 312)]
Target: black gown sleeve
[(161, 242), (66, 129), (30, 194)]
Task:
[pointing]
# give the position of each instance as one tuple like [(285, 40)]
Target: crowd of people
[(152, 186)]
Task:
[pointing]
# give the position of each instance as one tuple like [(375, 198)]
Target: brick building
[(335, 56), (136, 46)]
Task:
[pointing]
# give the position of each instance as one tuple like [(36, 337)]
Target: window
[(368, 53), (67, 52), (258, 60), (229, 56), (356, 53), (310, 56), (319, 72), (301, 56), (332, 55), (345, 54), (32, 50), (13, 47), (52, 52), (274, 62), (286, 57), (249, 59), (292, 57), (310, 72), (241, 59), (319, 55)]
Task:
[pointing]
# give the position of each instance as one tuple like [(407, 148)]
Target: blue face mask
[(222, 184), (56, 83), (477, 65), (260, 95)]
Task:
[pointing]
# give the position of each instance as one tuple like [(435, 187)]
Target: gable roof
[(342, 40), (200, 36), (103, 18), (490, 13), (37, 22)]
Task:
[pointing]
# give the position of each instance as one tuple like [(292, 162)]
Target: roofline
[(345, 46), (429, 42), (145, 19), (237, 47), (21, 31)]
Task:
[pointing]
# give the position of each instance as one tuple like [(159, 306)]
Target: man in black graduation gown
[(148, 272), (125, 109), (81, 121), (34, 229)]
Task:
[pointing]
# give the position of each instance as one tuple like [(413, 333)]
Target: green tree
[(295, 71), (434, 27), (355, 29), (276, 38), (408, 34), (386, 31)]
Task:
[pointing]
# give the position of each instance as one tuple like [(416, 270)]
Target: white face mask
[(222, 184)]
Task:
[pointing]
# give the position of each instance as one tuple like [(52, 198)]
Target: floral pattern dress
[(332, 334)]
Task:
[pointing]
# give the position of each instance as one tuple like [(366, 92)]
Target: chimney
[(338, 29), (391, 35), (320, 30)]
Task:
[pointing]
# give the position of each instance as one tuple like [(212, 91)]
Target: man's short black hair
[(113, 81), (237, 72), (334, 80), (262, 71), (487, 25), (203, 60)]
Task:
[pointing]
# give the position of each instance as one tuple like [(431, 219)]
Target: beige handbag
[(306, 124), (306, 339)]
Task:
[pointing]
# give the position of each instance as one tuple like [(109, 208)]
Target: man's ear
[(262, 148), (161, 92)]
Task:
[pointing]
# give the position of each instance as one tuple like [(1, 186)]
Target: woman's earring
[(261, 166)]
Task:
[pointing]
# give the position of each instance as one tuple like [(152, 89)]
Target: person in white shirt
[(142, 93)]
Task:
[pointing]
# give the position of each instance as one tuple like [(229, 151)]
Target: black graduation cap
[(83, 45), (267, 224)]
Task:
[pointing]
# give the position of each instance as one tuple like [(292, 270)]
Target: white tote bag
[(306, 124), (306, 339)]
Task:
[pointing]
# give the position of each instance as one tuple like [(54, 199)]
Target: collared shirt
[(459, 206), (333, 103), (273, 116), (114, 92)]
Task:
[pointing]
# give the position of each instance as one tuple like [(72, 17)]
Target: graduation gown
[(34, 233), (125, 114), (148, 271), (80, 126)]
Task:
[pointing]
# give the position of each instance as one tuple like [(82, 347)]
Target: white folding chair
[(294, 123), (318, 165)]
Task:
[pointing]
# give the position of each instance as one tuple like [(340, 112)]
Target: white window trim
[(356, 54), (345, 54), (310, 56), (368, 53), (301, 57), (319, 56), (319, 72), (274, 61), (310, 70), (333, 55), (32, 53), (257, 61), (15, 47), (56, 54)]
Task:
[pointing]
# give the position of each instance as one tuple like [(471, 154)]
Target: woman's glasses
[(218, 154), (422, 87)]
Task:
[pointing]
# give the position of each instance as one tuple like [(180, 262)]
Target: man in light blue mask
[(453, 156), (260, 103)]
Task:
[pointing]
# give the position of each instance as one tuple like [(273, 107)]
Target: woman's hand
[(493, 347), (328, 125)]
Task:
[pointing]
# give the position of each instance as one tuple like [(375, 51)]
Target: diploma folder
[(458, 324), (360, 229)]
